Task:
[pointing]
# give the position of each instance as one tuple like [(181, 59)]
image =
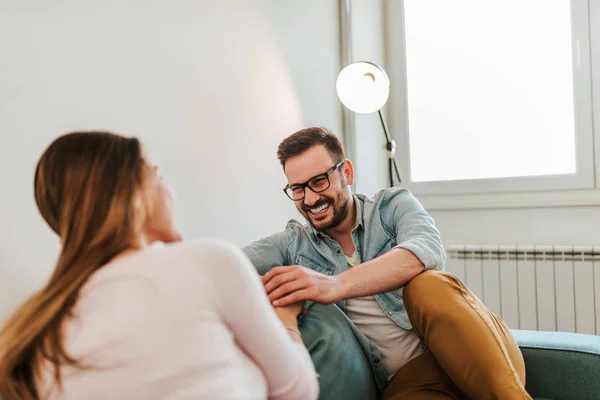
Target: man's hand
[(288, 285)]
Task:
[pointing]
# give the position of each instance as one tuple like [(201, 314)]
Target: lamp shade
[(363, 87)]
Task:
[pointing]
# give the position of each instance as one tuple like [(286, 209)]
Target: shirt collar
[(359, 212)]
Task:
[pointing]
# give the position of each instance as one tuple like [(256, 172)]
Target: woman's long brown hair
[(87, 187)]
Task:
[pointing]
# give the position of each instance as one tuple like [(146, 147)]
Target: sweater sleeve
[(245, 308)]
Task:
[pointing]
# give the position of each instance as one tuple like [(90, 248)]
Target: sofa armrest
[(561, 365)]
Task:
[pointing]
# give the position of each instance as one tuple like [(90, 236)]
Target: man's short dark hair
[(297, 143)]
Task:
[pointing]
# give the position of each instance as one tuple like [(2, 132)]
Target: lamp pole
[(390, 146), (364, 87)]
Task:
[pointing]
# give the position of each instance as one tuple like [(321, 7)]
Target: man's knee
[(329, 334), (425, 282), (428, 287)]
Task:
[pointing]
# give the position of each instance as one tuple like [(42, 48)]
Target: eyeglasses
[(317, 184)]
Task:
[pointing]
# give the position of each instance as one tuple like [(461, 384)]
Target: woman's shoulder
[(188, 273), (194, 259), (190, 262)]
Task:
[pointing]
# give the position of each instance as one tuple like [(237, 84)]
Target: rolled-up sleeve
[(413, 228)]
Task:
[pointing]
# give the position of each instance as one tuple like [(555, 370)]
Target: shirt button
[(339, 251), (376, 361), (389, 312)]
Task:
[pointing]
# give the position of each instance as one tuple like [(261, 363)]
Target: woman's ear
[(348, 170)]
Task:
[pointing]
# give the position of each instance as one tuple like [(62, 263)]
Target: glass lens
[(295, 192), (319, 184)]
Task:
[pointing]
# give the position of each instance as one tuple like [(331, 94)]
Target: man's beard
[(340, 206)]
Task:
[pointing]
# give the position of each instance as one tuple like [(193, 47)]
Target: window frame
[(585, 50)]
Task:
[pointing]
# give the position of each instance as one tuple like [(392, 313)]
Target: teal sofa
[(559, 366)]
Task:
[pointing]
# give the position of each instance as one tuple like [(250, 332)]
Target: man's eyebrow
[(305, 182)]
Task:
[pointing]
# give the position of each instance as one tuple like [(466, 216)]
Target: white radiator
[(549, 288)]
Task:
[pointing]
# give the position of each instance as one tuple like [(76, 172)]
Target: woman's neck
[(138, 244)]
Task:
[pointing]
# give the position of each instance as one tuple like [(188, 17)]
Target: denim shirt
[(393, 218)]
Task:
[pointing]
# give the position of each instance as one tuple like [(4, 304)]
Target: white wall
[(210, 88), (559, 225)]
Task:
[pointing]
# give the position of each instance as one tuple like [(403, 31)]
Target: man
[(379, 260)]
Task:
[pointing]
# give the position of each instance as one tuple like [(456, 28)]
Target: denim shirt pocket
[(310, 263), (398, 292)]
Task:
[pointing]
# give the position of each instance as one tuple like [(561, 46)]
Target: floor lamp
[(364, 87)]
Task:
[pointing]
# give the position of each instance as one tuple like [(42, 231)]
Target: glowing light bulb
[(363, 87)]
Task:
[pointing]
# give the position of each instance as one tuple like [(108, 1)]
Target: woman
[(129, 313)]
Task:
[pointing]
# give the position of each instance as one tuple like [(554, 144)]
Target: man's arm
[(419, 248), (382, 274)]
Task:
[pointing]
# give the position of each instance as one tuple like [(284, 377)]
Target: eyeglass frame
[(306, 184)]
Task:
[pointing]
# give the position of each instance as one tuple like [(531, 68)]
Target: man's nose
[(310, 197)]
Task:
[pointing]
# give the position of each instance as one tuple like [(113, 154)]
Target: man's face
[(326, 209)]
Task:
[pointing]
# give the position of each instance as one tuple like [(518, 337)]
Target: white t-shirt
[(397, 346), (182, 321)]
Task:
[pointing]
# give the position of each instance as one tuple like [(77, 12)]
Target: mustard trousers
[(471, 353)]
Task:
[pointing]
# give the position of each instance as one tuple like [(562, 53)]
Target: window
[(498, 95)]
